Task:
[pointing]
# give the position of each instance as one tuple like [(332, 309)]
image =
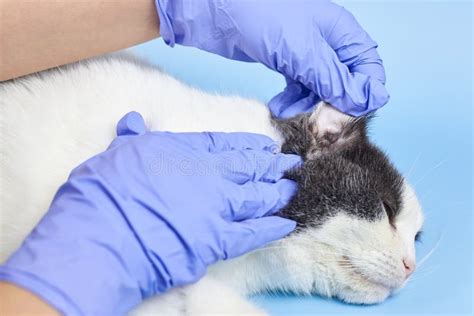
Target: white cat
[(357, 246)]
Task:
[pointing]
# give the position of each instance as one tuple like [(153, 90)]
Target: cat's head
[(357, 217)]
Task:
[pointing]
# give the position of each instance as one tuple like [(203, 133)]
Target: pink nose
[(410, 266)]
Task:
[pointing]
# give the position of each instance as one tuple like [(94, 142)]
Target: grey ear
[(326, 130)]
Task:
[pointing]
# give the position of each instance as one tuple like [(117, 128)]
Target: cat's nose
[(410, 266)]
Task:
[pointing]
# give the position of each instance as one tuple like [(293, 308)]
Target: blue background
[(426, 128)]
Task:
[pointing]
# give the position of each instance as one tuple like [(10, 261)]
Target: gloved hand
[(152, 212), (317, 45)]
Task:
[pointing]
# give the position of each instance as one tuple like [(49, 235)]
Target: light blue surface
[(426, 128)]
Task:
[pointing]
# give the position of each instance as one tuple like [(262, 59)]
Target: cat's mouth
[(347, 264), (360, 289)]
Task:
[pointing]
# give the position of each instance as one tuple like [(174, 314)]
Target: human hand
[(152, 212), (318, 46)]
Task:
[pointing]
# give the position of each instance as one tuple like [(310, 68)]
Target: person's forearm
[(41, 34), (17, 301)]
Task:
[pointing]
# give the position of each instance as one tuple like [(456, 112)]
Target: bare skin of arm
[(16, 301), (41, 34)]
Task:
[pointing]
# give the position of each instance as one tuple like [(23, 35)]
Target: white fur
[(53, 121)]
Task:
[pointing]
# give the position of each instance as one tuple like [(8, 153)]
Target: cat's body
[(53, 121)]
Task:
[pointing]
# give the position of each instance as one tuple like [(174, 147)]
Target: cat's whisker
[(407, 175), (431, 170), (433, 249), (339, 254), (296, 267), (269, 248), (425, 274)]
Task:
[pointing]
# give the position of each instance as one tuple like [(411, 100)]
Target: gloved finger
[(295, 99), (354, 47), (241, 166), (219, 141), (251, 234), (352, 93), (131, 123), (257, 199)]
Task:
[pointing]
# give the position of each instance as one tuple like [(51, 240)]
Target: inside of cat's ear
[(333, 130), (326, 130)]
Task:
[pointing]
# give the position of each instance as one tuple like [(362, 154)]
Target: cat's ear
[(326, 130), (332, 130)]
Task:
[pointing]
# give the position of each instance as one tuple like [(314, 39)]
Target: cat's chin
[(366, 294), (351, 287)]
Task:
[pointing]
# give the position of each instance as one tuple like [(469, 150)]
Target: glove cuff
[(166, 29), (40, 288)]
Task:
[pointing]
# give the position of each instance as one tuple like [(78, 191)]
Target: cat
[(357, 217)]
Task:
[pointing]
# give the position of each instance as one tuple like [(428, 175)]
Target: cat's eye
[(387, 208), (418, 236), (390, 213)]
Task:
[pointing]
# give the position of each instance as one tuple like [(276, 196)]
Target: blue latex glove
[(317, 45), (152, 212)]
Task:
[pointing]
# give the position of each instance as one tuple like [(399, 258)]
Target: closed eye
[(418, 236), (390, 213)]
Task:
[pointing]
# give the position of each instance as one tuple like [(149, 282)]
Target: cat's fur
[(356, 216)]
